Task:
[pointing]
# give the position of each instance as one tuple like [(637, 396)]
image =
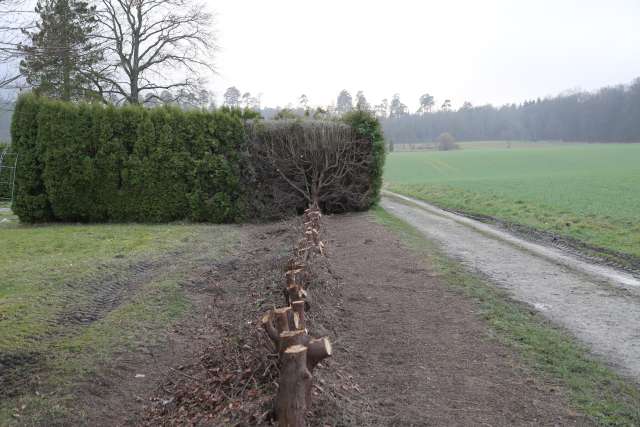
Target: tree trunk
[(134, 97), (294, 387), (66, 78)]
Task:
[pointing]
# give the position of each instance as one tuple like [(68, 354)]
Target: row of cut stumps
[(298, 352)]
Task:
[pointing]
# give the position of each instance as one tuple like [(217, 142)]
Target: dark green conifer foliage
[(59, 60), (31, 202), (368, 127)]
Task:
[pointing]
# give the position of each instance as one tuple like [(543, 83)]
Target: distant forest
[(611, 114)]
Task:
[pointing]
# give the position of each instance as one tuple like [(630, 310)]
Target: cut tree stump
[(295, 293), (293, 391)]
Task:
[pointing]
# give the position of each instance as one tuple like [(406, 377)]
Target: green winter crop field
[(590, 192)]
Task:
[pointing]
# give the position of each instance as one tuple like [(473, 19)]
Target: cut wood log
[(293, 391), (319, 349)]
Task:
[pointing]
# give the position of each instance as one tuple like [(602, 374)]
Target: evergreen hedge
[(367, 126), (98, 163)]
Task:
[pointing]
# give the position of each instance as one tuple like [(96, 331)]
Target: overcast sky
[(489, 51)]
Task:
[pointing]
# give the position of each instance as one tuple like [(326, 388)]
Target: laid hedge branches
[(322, 163), (97, 163), (336, 165), (299, 353)]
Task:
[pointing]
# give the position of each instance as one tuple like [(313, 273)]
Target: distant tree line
[(611, 114)]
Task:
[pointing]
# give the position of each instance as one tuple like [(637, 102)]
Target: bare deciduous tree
[(361, 102), (322, 161), (345, 102), (153, 45), (15, 20), (232, 97)]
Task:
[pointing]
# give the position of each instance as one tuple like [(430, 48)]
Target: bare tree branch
[(323, 161), (146, 38), (16, 20)]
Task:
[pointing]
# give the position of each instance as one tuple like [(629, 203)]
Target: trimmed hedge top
[(97, 163)]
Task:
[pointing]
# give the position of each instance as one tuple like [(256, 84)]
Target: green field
[(590, 192)]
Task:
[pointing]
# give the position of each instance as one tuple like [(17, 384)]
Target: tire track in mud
[(628, 263), (101, 296), (598, 305), (84, 302)]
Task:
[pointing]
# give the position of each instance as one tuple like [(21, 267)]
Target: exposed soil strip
[(408, 351), (597, 304), (417, 351)]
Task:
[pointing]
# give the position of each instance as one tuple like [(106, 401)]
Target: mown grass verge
[(59, 324), (605, 232), (584, 192), (593, 389)]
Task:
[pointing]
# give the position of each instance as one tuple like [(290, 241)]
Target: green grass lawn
[(590, 192), (48, 272)]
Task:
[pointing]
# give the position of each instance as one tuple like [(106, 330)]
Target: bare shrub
[(322, 163), (446, 142)]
